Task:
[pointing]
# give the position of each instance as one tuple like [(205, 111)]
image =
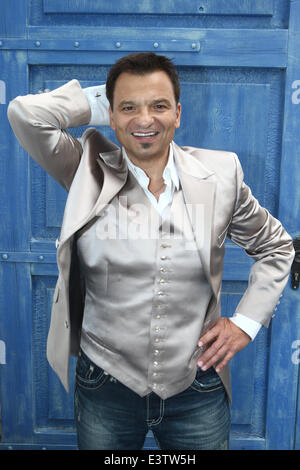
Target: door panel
[(239, 78)]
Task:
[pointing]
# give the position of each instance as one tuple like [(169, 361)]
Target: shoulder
[(209, 155), (218, 161)]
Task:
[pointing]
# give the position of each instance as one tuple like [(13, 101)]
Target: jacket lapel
[(115, 172), (86, 198), (199, 190)]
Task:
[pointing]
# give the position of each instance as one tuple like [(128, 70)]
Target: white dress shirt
[(99, 104), (170, 177)]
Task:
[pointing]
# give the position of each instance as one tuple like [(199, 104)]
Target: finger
[(224, 361), (213, 354), (209, 336)]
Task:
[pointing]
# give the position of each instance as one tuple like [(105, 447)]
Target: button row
[(158, 340)]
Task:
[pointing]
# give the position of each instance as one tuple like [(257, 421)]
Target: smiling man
[(145, 115), (144, 315)]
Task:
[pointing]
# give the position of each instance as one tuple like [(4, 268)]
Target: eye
[(160, 106), (127, 108)]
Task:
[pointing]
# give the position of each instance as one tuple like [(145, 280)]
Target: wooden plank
[(13, 160), (106, 44), (27, 257), (16, 375), (212, 47), (243, 47), (246, 443), (13, 18), (16, 383), (166, 7), (53, 406)]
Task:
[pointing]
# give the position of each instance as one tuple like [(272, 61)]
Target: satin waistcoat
[(146, 293)]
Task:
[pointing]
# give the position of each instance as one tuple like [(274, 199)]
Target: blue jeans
[(111, 416)]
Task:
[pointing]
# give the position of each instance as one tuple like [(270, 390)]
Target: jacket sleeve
[(264, 239), (40, 122)]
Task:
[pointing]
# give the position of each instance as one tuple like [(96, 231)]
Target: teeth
[(144, 134)]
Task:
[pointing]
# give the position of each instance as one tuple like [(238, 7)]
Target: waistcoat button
[(160, 292)]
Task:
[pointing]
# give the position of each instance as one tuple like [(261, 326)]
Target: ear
[(111, 119), (178, 114)]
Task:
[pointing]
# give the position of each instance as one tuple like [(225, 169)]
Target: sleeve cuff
[(99, 105), (249, 326)]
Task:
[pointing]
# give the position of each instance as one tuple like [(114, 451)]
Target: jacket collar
[(185, 162), (190, 165)]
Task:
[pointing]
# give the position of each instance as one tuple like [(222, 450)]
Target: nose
[(145, 118)]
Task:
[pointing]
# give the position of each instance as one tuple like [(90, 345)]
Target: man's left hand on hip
[(224, 340)]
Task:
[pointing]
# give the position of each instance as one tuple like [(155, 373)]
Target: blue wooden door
[(240, 92)]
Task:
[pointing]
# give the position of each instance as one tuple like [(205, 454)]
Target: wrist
[(99, 105)]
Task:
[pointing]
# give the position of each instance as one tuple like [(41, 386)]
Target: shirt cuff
[(99, 105), (249, 326)]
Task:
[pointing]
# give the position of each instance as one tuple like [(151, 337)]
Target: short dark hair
[(141, 64)]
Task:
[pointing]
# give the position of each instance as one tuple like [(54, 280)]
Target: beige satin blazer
[(92, 170)]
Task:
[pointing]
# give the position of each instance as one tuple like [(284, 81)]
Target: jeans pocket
[(88, 374), (207, 381)]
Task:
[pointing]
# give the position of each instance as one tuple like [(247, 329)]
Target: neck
[(153, 168)]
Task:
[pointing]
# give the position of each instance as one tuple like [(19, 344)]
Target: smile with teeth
[(144, 134)]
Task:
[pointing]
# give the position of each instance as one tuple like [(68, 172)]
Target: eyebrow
[(161, 100), (126, 103)]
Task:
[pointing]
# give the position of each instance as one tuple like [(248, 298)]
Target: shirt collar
[(170, 174)]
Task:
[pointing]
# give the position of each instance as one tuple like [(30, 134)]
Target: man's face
[(145, 115)]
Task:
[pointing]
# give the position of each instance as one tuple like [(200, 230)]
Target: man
[(140, 260)]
